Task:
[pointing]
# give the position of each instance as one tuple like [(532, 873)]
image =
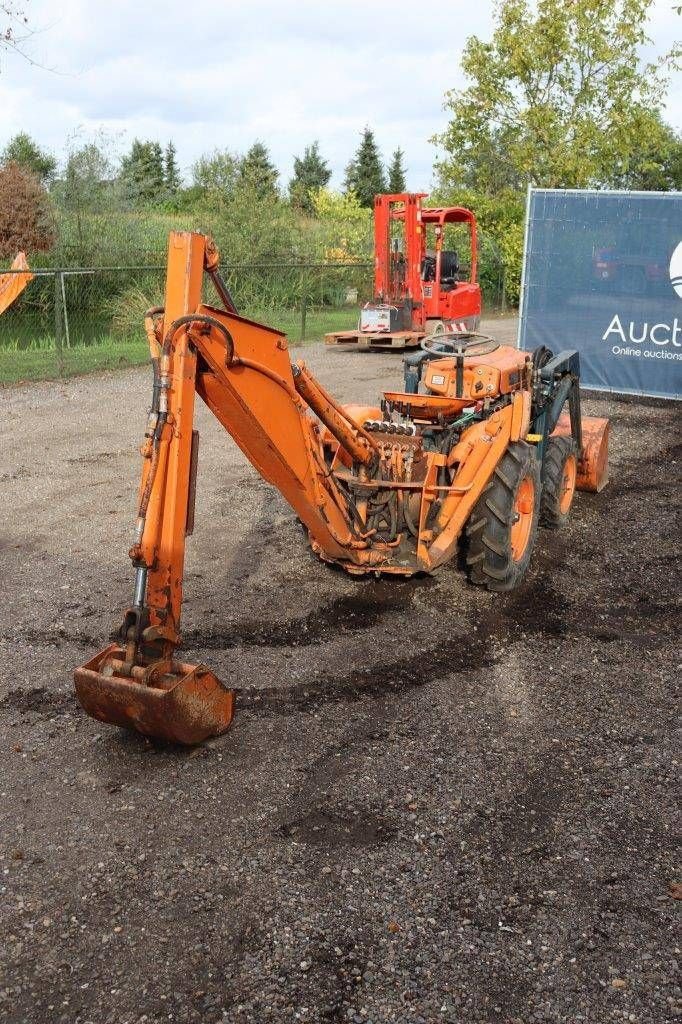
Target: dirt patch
[(435, 804)]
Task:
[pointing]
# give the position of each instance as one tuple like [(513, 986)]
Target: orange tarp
[(12, 285)]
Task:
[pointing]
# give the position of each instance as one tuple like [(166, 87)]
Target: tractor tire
[(501, 530), (561, 469)]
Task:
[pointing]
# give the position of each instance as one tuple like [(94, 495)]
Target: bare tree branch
[(14, 28)]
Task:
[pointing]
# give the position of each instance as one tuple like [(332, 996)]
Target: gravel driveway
[(435, 804)]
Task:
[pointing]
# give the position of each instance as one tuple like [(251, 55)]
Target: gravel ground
[(435, 804)]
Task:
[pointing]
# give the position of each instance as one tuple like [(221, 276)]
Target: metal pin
[(140, 586)]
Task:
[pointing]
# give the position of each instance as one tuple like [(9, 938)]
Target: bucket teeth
[(187, 705)]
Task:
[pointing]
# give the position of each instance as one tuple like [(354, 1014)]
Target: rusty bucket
[(593, 468), (187, 704)]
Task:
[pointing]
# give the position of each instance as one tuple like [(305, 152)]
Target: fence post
[(304, 311), (504, 288), (58, 344)]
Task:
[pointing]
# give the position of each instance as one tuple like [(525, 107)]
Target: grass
[(318, 321), (44, 363), (38, 359)]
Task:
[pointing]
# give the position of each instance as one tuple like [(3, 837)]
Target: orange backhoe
[(469, 456), (13, 283)]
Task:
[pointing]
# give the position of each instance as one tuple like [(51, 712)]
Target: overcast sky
[(226, 72)]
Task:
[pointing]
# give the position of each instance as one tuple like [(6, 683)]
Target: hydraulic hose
[(150, 318), (197, 318)]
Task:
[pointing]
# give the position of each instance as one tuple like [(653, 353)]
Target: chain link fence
[(74, 320)]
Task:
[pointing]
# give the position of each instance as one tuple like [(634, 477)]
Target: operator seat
[(449, 268)]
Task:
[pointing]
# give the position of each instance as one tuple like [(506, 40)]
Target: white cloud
[(223, 74)]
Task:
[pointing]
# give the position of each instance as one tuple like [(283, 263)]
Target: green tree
[(396, 173), (88, 186), (311, 173), (22, 150), (655, 162), (142, 172), (344, 227), (257, 172), (365, 174), (87, 180), (557, 97), (171, 173), (216, 172)]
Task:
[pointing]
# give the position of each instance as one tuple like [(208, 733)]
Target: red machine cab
[(420, 287)]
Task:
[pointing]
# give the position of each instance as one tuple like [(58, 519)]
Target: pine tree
[(171, 174), (396, 173), (365, 174), (142, 172), (156, 166), (257, 172), (310, 174)]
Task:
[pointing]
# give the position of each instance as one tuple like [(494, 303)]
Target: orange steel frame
[(304, 443), (264, 403)]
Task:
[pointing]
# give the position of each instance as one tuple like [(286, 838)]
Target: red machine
[(420, 288)]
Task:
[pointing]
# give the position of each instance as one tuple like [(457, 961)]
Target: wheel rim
[(567, 487), (524, 509)]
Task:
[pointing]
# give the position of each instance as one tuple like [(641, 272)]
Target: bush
[(127, 309), (26, 219)]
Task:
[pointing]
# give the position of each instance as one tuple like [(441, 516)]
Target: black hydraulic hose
[(156, 386), (393, 513), (459, 375), (199, 318)]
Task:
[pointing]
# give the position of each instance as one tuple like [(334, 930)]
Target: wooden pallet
[(358, 339)]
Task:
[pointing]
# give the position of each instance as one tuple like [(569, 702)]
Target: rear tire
[(501, 531), (561, 468)]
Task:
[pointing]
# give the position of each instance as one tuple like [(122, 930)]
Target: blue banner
[(603, 274)]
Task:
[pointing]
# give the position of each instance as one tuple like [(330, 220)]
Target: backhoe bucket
[(187, 705), (593, 468)]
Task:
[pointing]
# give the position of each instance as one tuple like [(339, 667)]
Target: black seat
[(449, 268)]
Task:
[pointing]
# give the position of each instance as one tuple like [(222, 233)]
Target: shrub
[(26, 218)]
